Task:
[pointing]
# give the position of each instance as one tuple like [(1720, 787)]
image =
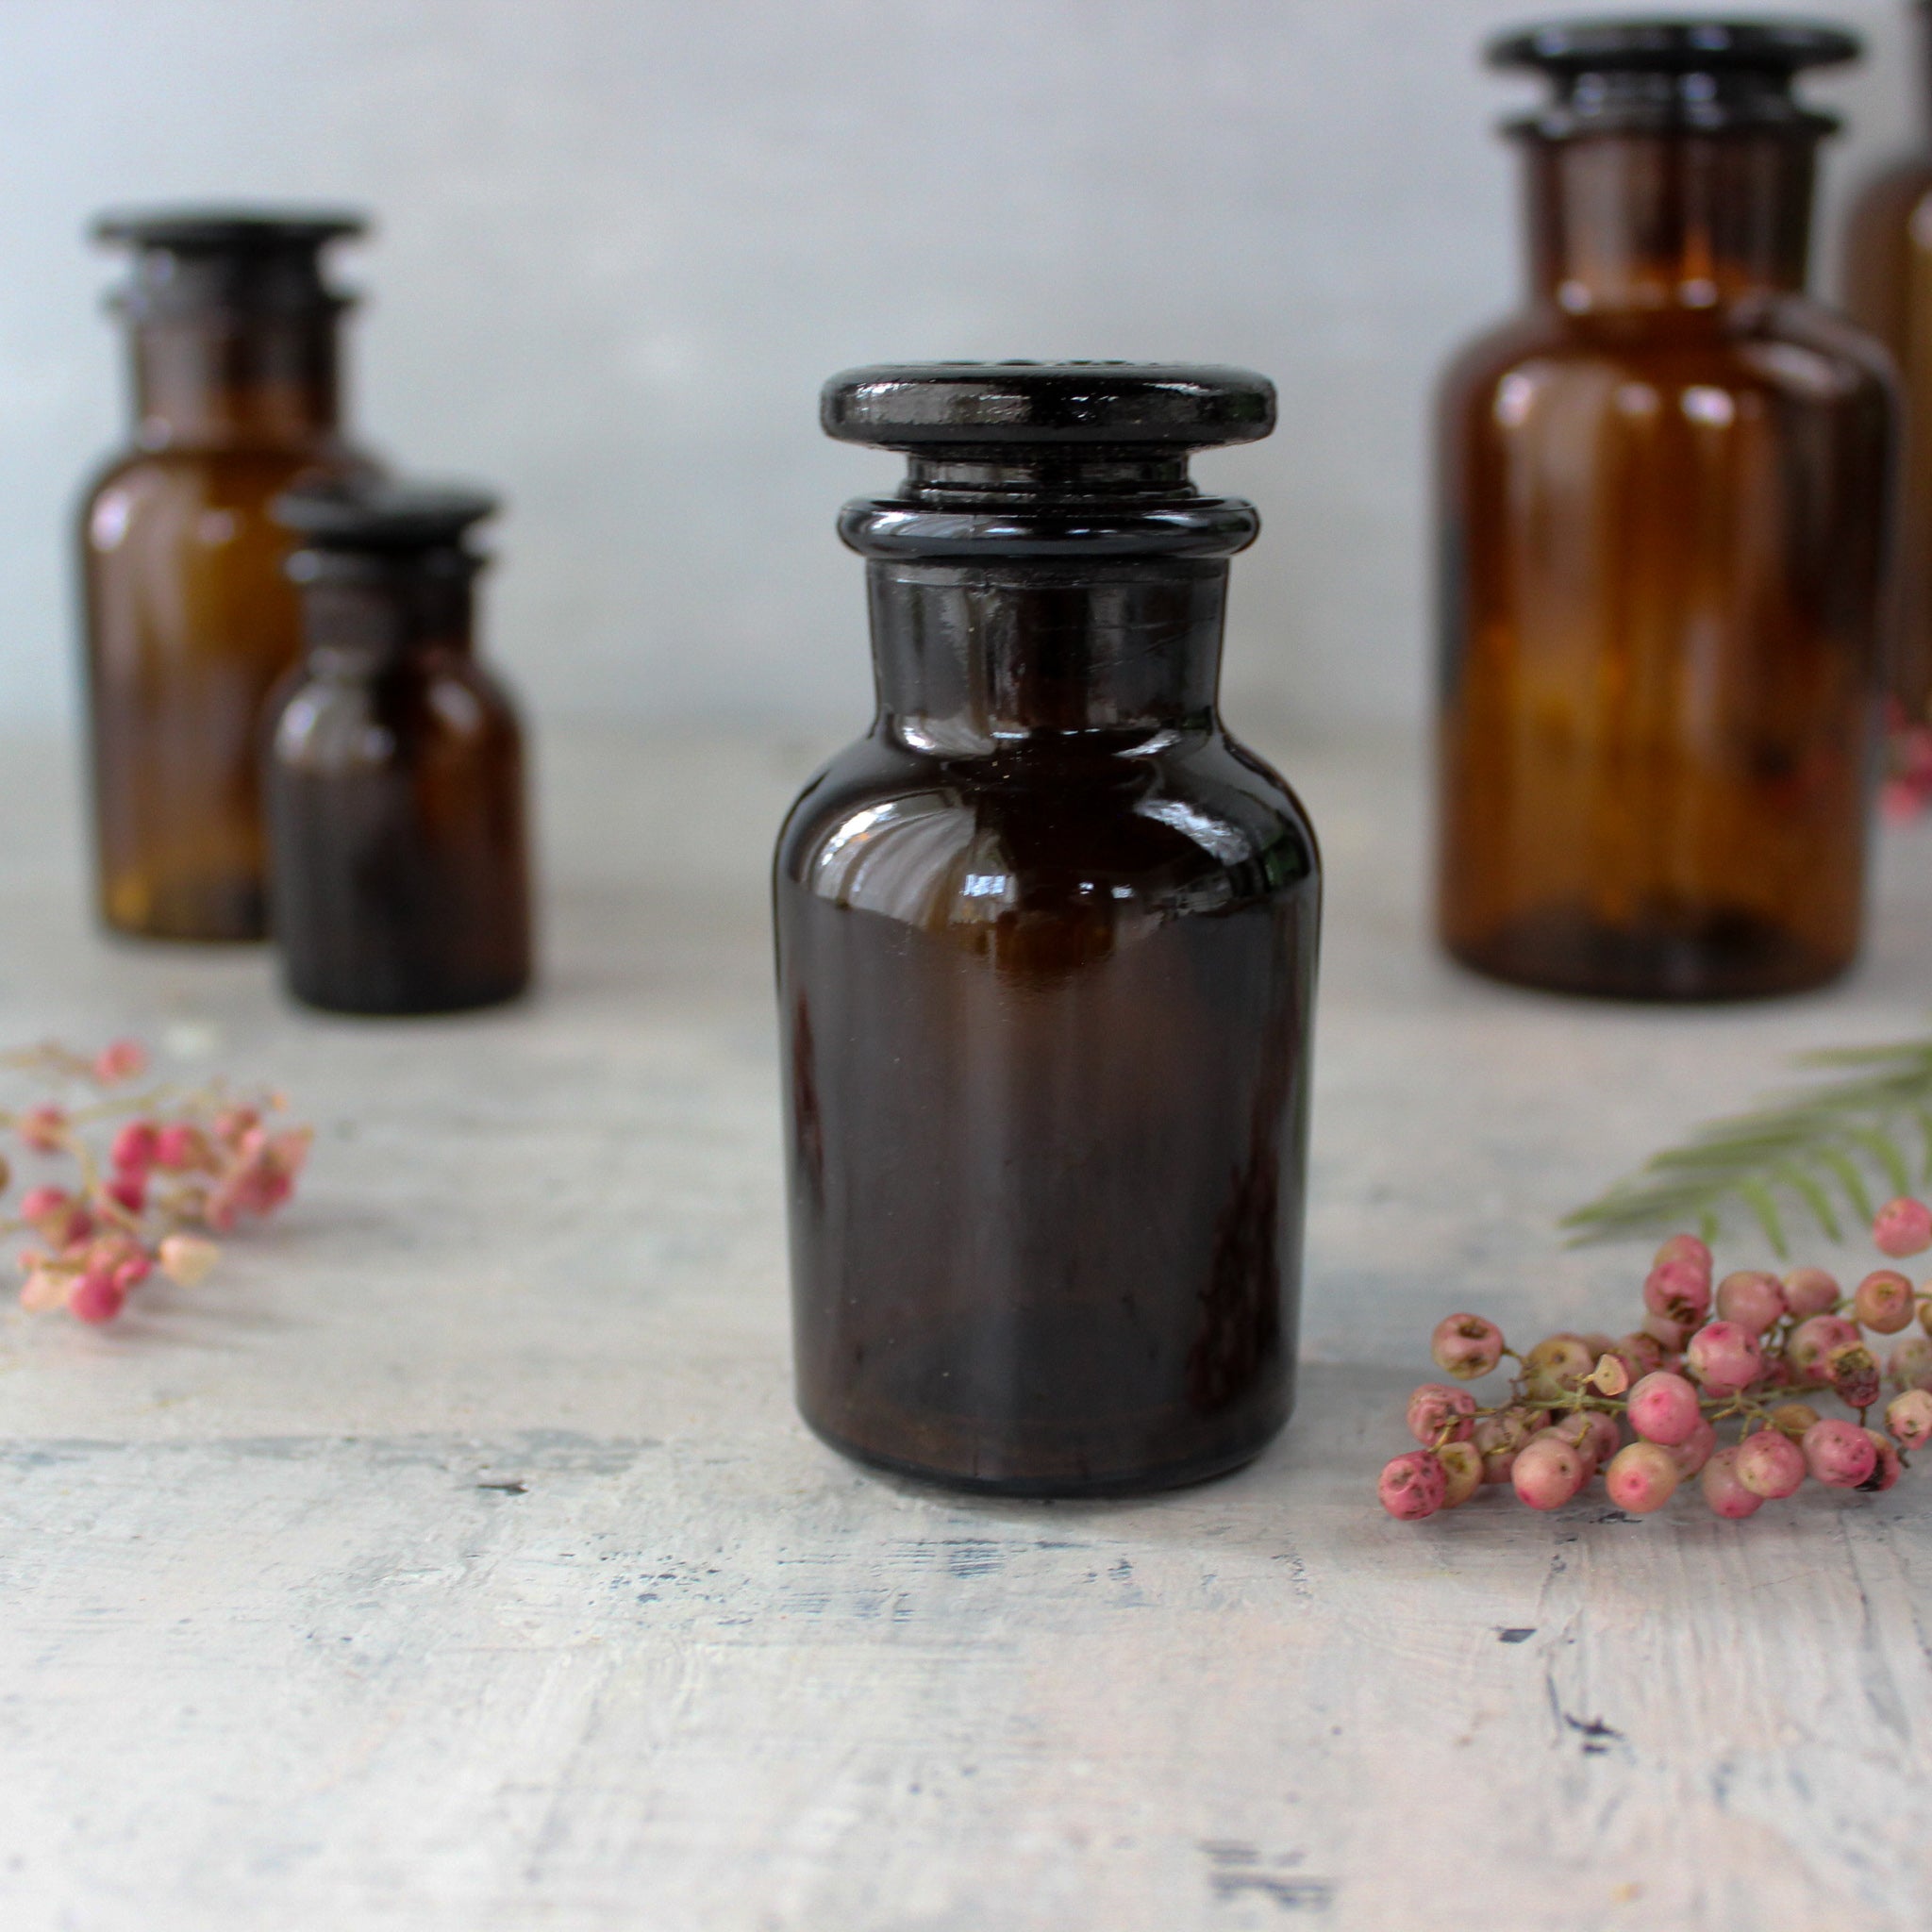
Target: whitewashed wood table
[(452, 1559)]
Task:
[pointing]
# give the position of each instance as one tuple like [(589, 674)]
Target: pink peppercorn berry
[(1438, 1413), (1412, 1486), (1902, 1228), (1810, 1291), (1725, 1357), (1725, 1490), (1883, 1301), (1663, 1409), (1852, 1373), (1555, 1366), (1909, 1365), (1466, 1346), (1839, 1454), (135, 1147), (1462, 1472), (1686, 1249), (1641, 1478), (1751, 1299), (1887, 1467), (1910, 1418), (95, 1298), (43, 1128), (1678, 1292), (120, 1060), (1770, 1464), (1813, 1341), (1547, 1473), (1695, 1451)]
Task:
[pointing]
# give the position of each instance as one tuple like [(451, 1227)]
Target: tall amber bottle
[(395, 765), (189, 617), (1047, 951), (1664, 501), (1888, 288)]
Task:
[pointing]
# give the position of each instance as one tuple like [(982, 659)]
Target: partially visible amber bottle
[(395, 770), (189, 617), (1888, 288), (1665, 496)]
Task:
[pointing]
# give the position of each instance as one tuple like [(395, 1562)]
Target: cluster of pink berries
[(1908, 785), (175, 1164), (1674, 1382)]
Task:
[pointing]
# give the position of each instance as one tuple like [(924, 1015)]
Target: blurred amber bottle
[(1888, 288), (395, 765), (189, 616), (1665, 495)]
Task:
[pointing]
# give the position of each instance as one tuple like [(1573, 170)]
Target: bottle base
[(362, 1007), (1719, 957), (1044, 1488)]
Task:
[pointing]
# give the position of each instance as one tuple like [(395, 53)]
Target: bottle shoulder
[(161, 488), (1791, 347), (1198, 823), (440, 704)]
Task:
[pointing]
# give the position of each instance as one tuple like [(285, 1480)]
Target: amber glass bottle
[(1888, 288), (1046, 954), (189, 617), (395, 779), (1665, 496)]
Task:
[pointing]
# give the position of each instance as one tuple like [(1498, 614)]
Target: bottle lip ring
[(216, 229), (1205, 526), (382, 517), (1679, 44), (989, 408)]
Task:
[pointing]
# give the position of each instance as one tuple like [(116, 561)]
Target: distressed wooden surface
[(453, 1558)]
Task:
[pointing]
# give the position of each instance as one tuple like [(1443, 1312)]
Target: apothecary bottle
[(399, 853), (1889, 290), (190, 618), (1664, 513), (1046, 956)]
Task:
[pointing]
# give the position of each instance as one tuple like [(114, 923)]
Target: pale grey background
[(621, 243)]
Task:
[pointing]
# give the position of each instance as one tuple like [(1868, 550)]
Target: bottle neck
[(232, 379), (973, 655), (1669, 221), (358, 627)]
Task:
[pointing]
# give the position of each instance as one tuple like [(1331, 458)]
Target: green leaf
[(1850, 1179), (1885, 1154), (1808, 1141), (1758, 1198)]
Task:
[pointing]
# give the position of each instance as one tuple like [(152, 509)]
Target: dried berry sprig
[(179, 1164), (1700, 1363)]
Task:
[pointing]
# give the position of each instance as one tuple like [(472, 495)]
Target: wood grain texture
[(452, 1559)]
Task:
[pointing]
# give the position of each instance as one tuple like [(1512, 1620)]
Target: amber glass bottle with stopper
[(1046, 956), (1664, 514), (395, 778), (1888, 288), (189, 616)]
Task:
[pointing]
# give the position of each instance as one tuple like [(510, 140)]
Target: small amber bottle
[(395, 771), (1888, 288), (1665, 497), (1046, 956), (190, 618)]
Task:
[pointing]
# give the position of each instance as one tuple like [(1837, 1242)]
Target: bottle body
[(1047, 950), (190, 618), (1888, 291), (395, 791), (190, 622), (1664, 506)]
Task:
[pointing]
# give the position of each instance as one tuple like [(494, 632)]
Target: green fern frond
[(1787, 1158)]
